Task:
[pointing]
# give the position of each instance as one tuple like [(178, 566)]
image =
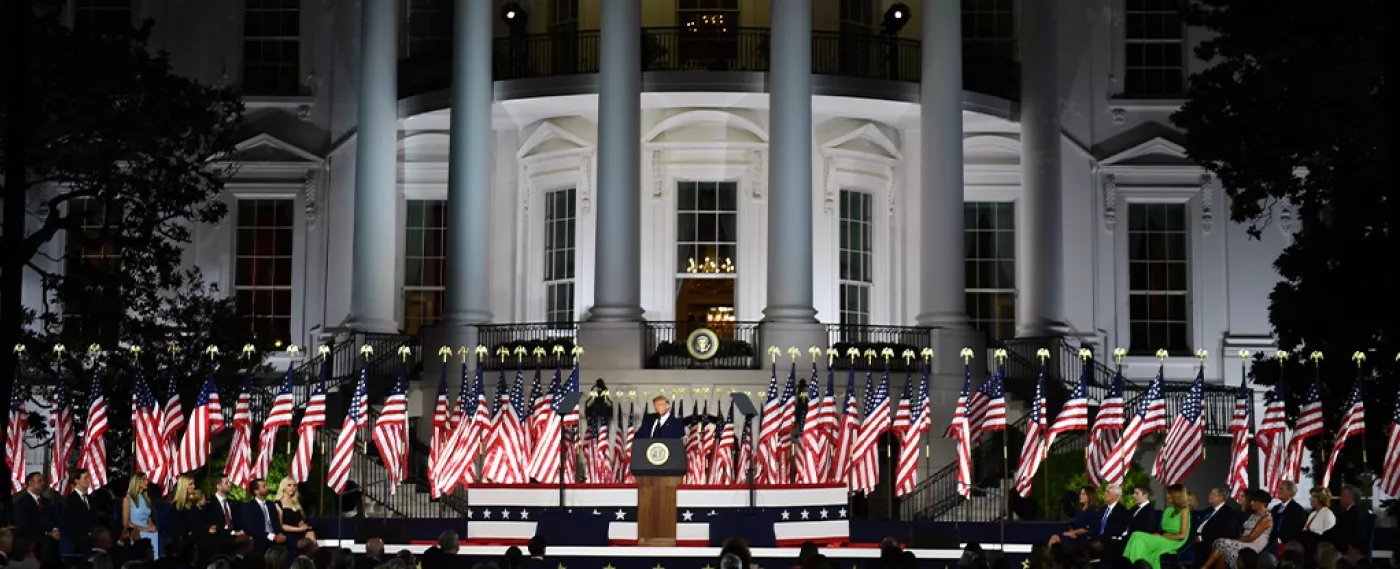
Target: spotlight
[(895, 17), (514, 16)]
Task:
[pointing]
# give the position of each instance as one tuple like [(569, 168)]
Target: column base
[(615, 314), (371, 325), (612, 345), (1043, 329), (784, 335), (938, 319)]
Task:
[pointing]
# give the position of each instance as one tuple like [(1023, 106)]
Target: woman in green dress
[(1176, 526)]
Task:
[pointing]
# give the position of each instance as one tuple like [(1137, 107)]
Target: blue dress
[(141, 517), (1086, 520)]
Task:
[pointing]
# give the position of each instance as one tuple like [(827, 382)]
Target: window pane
[(706, 227), (559, 255), (989, 250), (1158, 283), (263, 267), (1154, 50)]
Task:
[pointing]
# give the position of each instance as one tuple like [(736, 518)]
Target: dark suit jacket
[(1118, 523), (214, 515), (1224, 524), (253, 523), (1289, 519), (32, 521), (673, 428), (1144, 519), (1351, 530), (78, 520)]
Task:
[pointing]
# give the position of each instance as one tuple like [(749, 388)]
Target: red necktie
[(228, 519)]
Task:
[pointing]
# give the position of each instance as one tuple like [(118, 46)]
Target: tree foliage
[(1291, 116)]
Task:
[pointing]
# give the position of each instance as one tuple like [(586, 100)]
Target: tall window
[(429, 29), (263, 267), (709, 33), (271, 47), (93, 263), (425, 262), (988, 30), (101, 16), (707, 238), (989, 267), (855, 253), (563, 16), (564, 38), (559, 225), (1155, 48), (1157, 278)]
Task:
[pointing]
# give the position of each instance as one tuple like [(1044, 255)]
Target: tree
[(111, 154), (1292, 113)]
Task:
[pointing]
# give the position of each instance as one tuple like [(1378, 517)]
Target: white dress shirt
[(1207, 519)]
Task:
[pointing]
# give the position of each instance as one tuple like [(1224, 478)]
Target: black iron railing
[(867, 339), (548, 344), (739, 346), (866, 56)]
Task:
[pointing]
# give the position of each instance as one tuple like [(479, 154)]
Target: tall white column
[(617, 295), (372, 298), (1039, 310), (941, 296), (469, 166)]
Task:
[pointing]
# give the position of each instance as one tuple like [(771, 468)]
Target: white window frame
[(1133, 186), (547, 248), (868, 249), (224, 234), (404, 287), (545, 167), (875, 175), (992, 198), (1123, 67), (303, 45)]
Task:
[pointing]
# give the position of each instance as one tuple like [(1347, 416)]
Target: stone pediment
[(1149, 145), (866, 139), (553, 139), (708, 126), (270, 149)]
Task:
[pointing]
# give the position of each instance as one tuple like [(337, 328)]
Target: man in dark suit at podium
[(661, 425)]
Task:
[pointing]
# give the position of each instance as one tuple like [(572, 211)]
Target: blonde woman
[(289, 511), (137, 518), (1322, 517), (189, 507), (1176, 526)]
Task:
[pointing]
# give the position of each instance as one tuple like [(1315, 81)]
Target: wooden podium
[(658, 465)]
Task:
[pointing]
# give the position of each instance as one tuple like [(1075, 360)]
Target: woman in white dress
[(1322, 518)]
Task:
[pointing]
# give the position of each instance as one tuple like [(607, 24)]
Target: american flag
[(94, 452), (769, 426), (14, 435), (707, 442), (1184, 446), (505, 453), (311, 419), (605, 464), (1309, 425), (238, 468), (145, 422), (1074, 416), (456, 465), (693, 466), (172, 420), (391, 432), (722, 470), (283, 407), (1353, 423), (356, 417), (478, 429), (1390, 472), (442, 428), (961, 431), (786, 424), (988, 405), (531, 416), (866, 464), (1238, 477), (1033, 450), (813, 461), (626, 458), (845, 449), (1273, 438), (906, 475), (64, 439), (1151, 416), (544, 457), (745, 462), (1107, 431), (194, 448), (569, 425)]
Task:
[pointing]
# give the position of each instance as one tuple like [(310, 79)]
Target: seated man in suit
[(260, 519), (1289, 517), (1352, 533), (661, 425), (34, 518), (1221, 521), (1143, 517), (1114, 522)]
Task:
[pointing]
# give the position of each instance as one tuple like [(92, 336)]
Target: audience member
[(322, 557), (1288, 515), (441, 556), (34, 518), (907, 560), (972, 557), (22, 556), (275, 557), (1040, 557), (535, 547), (305, 547), (731, 561), (739, 547), (374, 554), (1095, 551), (808, 549), (1327, 555), (486, 565), (138, 513), (513, 558), (303, 562), (409, 560), (820, 561), (1169, 536), (1086, 521), (1227, 552), (142, 550), (1220, 522), (1266, 560), (243, 553), (342, 558), (1350, 535), (1293, 552), (1144, 513), (260, 519), (7, 544), (77, 519), (289, 512), (889, 555)]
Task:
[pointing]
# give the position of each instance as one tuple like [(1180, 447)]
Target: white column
[(372, 298), (617, 276), (1039, 302), (941, 296), (469, 166)]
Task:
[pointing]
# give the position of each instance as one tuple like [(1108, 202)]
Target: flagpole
[(1005, 454), (135, 352), (213, 352), (1360, 358)]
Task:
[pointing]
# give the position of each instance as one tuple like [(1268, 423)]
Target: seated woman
[(1319, 521), (1083, 523), (1176, 526), (1226, 552)]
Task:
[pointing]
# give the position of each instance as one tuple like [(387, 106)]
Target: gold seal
[(657, 454), (702, 344)]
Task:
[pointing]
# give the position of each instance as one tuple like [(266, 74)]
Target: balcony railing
[(866, 338), (863, 56), (557, 339), (739, 346)]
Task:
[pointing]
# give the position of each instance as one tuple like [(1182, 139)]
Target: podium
[(658, 465)]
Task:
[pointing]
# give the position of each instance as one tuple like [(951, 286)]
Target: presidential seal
[(702, 344), (657, 454)]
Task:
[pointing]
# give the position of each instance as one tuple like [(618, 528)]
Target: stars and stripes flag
[(390, 432), (1390, 471), (866, 464), (569, 424), (769, 425), (1184, 445), (722, 469), (1273, 438), (1074, 415), (606, 465), (202, 426), (172, 420), (590, 451), (65, 439), (442, 428), (505, 454), (312, 418), (1034, 448), (960, 430), (458, 464), (787, 423), (283, 407), (145, 423), (693, 465), (93, 457), (987, 407), (1308, 425), (14, 435), (356, 417), (707, 442), (624, 455), (1353, 423), (920, 422), (745, 461), (815, 459), (540, 411), (1107, 431), (846, 440), (544, 454), (239, 469), (1238, 477), (533, 424), (1151, 416)]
